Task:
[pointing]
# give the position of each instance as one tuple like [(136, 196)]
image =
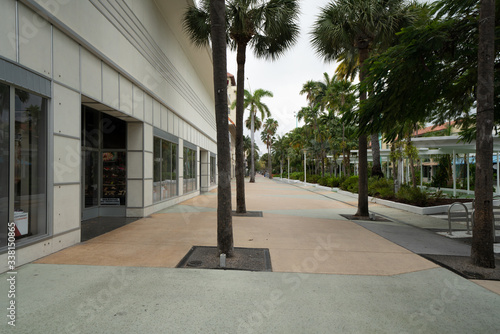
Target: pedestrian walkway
[(330, 275)]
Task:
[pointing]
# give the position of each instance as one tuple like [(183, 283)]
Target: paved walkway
[(330, 275)]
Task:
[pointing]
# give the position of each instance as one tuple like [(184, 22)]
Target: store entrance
[(104, 178)]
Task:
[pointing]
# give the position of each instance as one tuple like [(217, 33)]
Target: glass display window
[(164, 170), (23, 163), (104, 165), (189, 170), (114, 178), (4, 160)]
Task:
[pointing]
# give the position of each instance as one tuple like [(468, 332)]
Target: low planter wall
[(428, 210)]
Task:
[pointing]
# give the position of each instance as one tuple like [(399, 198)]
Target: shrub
[(323, 181), (380, 187), (297, 176), (313, 178), (350, 184), (412, 195)]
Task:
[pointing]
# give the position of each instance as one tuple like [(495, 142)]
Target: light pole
[(305, 171), (288, 174)]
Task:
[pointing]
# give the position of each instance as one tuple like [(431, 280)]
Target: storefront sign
[(110, 201)]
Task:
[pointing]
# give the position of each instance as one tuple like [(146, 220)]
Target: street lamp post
[(305, 171)]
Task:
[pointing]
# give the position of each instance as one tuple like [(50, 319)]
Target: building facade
[(107, 109)]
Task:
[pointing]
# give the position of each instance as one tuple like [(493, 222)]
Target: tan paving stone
[(296, 243), (490, 285), (347, 263)]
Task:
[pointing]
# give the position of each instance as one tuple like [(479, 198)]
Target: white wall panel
[(176, 125), (125, 96), (134, 193), (66, 160), (67, 210), (170, 122), (110, 87), (164, 118), (148, 109), (91, 75), (138, 97), (148, 165), (148, 192), (35, 41), (66, 60), (8, 44), (148, 138), (156, 114), (67, 111), (134, 136), (134, 165)]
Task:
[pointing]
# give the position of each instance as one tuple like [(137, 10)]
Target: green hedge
[(350, 184)]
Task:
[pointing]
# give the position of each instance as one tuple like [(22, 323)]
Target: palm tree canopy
[(254, 103), (270, 127), (270, 27), (257, 123), (346, 26)]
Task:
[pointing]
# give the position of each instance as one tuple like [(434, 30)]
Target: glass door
[(91, 175)]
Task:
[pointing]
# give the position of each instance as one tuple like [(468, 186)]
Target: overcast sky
[(285, 76)]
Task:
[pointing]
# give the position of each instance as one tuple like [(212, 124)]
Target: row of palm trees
[(350, 31), (324, 133)]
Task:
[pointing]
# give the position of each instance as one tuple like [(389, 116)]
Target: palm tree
[(267, 136), (254, 104), (483, 234), (280, 150), (354, 27), (225, 242), (270, 27), (247, 147)]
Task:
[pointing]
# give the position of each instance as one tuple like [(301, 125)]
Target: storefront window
[(104, 159), (165, 170), (4, 161), (157, 170), (189, 170), (30, 164)]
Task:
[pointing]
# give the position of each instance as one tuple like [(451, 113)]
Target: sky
[(286, 76)]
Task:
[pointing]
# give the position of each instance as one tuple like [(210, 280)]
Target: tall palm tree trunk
[(240, 158), (483, 238), (224, 218), (362, 149), (252, 162)]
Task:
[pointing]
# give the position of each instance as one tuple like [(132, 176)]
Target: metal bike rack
[(457, 216)]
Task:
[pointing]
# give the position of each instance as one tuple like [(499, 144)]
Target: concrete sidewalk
[(330, 275)]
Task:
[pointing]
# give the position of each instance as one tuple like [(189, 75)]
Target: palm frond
[(196, 23)]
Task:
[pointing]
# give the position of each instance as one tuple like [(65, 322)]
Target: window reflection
[(164, 170), (4, 161), (30, 163), (189, 170)]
